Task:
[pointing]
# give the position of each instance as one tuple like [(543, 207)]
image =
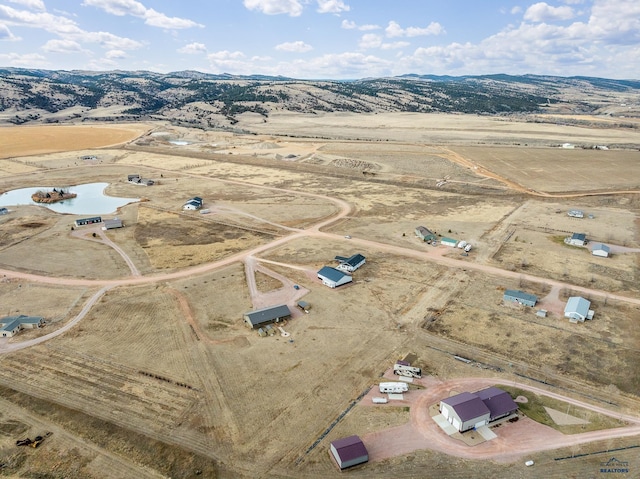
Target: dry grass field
[(162, 378)]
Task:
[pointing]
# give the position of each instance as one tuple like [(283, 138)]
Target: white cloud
[(348, 25), (62, 46), (370, 40), (136, 9), (394, 45), (543, 12), (32, 4), (395, 30), (193, 48), (29, 60), (115, 54), (292, 8), (332, 6), (299, 47), (6, 34)]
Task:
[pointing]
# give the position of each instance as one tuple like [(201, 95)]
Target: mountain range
[(204, 100)]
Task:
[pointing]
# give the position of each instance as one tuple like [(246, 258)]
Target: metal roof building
[(520, 297), (449, 241), (349, 451), (467, 410), (260, 317), (424, 234), (352, 263), (577, 309), (601, 250), (499, 402), (112, 224), (332, 277), (577, 239)]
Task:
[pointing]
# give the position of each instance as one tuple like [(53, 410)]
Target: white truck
[(394, 388), (402, 368), (468, 247)]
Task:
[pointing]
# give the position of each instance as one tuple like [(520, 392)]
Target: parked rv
[(468, 247), (394, 388), (402, 368), (462, 244)]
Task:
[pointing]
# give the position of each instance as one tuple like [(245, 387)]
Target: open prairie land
[(145, 367)]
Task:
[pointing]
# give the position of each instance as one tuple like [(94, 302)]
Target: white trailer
[(468, 247), (462, 244), (394, 388), (379, 400), (403, 369)]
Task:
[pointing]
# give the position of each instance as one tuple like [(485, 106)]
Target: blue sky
[(326, 39)]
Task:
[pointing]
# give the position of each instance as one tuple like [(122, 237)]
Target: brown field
[(162, 378), (26, 140)]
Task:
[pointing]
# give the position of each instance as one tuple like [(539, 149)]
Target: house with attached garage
[(11, 325), (333, 278), (350, 264), (467, 410), (577, 309), (194, 203), (272, 314), (576, 239)]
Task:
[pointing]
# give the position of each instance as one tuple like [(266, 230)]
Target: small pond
[(91, 199)]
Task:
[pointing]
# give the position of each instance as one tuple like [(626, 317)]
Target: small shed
[(112, 224), (265, 316), (425, 235), (601, 250), (520, 297), (304, 306), (349, 451), (333, 278), (449, 241)]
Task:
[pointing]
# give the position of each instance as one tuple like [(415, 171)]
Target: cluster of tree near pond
[(53, 196)]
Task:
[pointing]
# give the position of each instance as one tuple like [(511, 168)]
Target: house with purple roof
[(499, 402), (467, 410), (349, 451)]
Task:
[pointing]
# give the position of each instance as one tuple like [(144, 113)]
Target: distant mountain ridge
[(218, 100)]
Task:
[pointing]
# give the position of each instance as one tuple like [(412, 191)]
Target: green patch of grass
[(534, 408)]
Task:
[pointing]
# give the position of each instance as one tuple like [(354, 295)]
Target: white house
[(194, 203), (577, 239), (577, 309), (11, 325), (333, 278), (600, 249), (350, 264)]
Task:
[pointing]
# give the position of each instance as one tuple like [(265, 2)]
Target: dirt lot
[(167, 356)]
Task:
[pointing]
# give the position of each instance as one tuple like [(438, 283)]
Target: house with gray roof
[(11, 325), (600, 249), (112, 224), (577, 239), (264, 316), (333, 278), (425, 235), (520, 297), (350, 264), (577, 309)]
